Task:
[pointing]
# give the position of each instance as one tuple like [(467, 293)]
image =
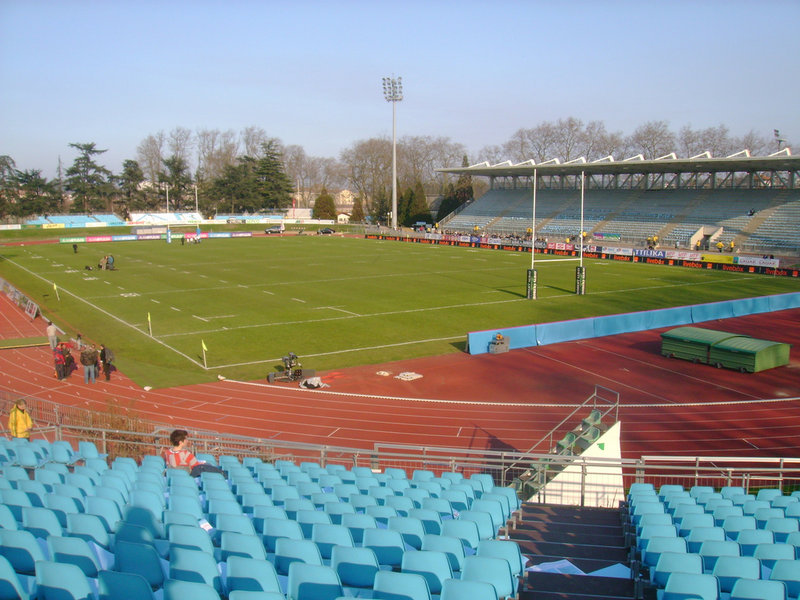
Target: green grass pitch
[(334, 301)]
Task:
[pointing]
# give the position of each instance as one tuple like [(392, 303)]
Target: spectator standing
[(61, 363), (19, 420), (106, 356), (89, 361), (52, 335)]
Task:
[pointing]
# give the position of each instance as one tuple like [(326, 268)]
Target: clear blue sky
[(309, 72)]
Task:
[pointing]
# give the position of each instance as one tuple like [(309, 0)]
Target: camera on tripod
[(292, 370)]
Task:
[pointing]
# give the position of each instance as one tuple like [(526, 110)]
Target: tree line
[(251, 172)]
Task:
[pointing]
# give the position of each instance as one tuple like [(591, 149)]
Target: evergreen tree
[(403, 204), (448, 204), (130, 183), (89, 182), (35, 194), (418, 210), (464, 191), (324, 207), (7, 192), (358, 212), (274, 186), (381, 206), (179, 179)]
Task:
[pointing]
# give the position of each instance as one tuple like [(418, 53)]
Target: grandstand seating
[(143, 532), (759, 220)]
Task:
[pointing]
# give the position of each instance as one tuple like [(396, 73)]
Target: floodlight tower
[(393, 92)]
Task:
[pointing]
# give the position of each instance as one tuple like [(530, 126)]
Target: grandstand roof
[(740, 162)]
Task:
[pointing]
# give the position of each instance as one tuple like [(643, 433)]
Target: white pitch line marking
[(337, 308), (267, 292), (175, 309), (201, 318), (298, 300), (154, 300)]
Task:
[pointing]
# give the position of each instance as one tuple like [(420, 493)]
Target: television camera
[(292, 370)]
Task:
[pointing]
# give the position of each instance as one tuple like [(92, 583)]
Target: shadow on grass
[(460, 346)]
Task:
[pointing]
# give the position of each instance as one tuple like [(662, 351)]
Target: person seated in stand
[(179, 457)]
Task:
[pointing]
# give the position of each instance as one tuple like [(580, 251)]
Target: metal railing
[(57, 422)]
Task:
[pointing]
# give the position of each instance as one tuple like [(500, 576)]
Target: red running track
[(506, 401)]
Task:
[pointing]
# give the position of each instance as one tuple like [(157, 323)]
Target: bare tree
[(215, 150), (368, 164), (181, 143), (652, 140), (759, 145), (150, 154), (253, 138)]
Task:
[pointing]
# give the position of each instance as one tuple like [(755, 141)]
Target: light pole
[(393, 92)]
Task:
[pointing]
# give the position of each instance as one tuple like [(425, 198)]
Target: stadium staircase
[(590, 539), (535, 478)]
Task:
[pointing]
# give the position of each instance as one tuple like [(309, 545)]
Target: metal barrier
[(141, 437)]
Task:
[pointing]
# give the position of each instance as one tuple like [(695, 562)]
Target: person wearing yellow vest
[(19, 420)]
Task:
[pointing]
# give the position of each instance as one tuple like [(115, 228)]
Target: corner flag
[(204, 346)]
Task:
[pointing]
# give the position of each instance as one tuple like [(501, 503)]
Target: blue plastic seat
[(457, 589), (431, 520), (402, 504), (387, 544), (242, 544), (113, 585), (356, 567), (410, 528), (657, 545), (327, 536), (41, 522), (389, 585), (275, 529), (7, 520), (288, 551), (308, 518), (691, 585), (177, 589), (749, 539), (250, 574), (10, 584), (357, 523), (698, 535), (433, 566), (451, 546), (140, 559), (690, 522), (508, 550), (674, 562), (485, 522), (490, 570), (194, 566), (737, 523), (787, 571), (15, 500), (21, 549), (781, 527), (74, 551), (381, 514), (769, 553), (758, 589), (417, 495), (728, 569), (61, 581), (191, 537), (466, 531), (457, 498), (711, 550), (313, 582)]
